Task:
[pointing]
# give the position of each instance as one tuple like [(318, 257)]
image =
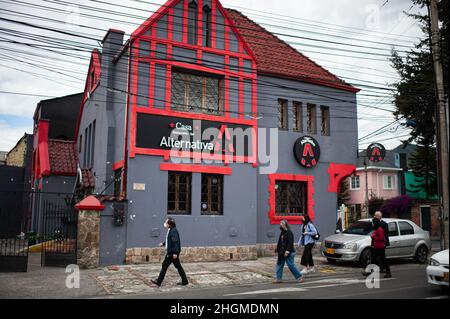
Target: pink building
[(382, 181)]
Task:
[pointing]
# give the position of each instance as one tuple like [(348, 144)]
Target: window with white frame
[(388, 182), (354, 182)]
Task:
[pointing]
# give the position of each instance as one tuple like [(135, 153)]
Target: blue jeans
[(290, 260)]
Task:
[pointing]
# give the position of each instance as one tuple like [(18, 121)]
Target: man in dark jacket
[(173, 246)]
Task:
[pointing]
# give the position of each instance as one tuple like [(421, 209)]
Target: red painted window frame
[(296, 220)]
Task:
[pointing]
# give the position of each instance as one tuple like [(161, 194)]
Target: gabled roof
[(277, 58), (63, 157)]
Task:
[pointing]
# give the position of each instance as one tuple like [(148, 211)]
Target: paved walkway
[(50, 282)]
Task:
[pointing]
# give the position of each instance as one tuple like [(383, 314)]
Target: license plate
[(331, 252), (446, 276)]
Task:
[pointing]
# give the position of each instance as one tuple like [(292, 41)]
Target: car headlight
[(434, 262), (351, 246)]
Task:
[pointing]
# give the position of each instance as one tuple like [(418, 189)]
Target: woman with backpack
[(308, 237)]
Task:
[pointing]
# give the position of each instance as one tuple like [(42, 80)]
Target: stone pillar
[(88, 239)]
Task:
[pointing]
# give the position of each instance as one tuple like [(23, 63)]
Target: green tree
[(424, 165), (344, 193), (415, 99)]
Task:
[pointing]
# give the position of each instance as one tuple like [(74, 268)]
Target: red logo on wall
[(307, 151), (376, 152)]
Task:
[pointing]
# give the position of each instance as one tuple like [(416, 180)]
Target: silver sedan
[(407, 240)]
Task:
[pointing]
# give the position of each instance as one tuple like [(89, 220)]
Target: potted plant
[(32, 238)]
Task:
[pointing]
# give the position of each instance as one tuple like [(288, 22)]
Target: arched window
[(192, 23), (206, 26)]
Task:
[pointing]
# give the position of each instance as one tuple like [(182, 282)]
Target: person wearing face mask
[(286, 253), (173, 247)]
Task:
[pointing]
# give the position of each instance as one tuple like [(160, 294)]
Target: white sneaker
[(304, 271), (312, 269)]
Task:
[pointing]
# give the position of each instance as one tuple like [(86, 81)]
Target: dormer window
[(192, 23)]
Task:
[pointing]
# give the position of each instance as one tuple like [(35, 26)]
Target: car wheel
[(331, 261), (365, 258), (421, 255)]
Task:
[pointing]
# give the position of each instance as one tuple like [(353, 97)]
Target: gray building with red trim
[(143, 123)]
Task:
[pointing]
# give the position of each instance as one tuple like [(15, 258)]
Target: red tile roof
[(63, 157), (276, 57), (87, 178)]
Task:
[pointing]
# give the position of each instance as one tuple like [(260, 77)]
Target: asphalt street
[(408, 282)]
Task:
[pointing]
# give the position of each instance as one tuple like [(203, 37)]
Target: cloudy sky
[(352, 39)]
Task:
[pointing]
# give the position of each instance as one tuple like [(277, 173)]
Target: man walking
[(173, 246)]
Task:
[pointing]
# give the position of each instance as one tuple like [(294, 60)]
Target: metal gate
[(59, 231), (13, 254), (13, 240)]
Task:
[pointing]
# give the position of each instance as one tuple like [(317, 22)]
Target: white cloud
[(10, 135), (327, 13)]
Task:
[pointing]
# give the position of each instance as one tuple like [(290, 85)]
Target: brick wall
[(16, 157), (435, 218), (144, 255)]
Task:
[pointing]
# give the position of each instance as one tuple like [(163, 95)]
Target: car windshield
[(359, 228)]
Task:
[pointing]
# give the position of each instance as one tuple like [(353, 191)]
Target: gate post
[(88, 238)]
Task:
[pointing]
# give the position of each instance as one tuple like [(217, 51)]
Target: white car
[(437, 270)]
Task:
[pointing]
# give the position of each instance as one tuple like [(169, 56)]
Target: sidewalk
[(49, 282)]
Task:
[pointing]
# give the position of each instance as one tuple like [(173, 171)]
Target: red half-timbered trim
[(185, 21), (195, 47), (94, 69), (338, 172), (94, 66), (164, 9), (171, 61), (273, 217), (195, 116), (200, 23), (195, 168), (213, 24)]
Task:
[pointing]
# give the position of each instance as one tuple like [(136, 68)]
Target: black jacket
[(385, 227), (173, 243), (285, 242)]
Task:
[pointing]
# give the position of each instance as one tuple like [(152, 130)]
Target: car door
[(394, 240), (407, 238)]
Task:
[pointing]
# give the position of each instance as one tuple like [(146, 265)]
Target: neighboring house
[(388, 179), (21, 152), (55, 161), (3, 157), (382, 181), (195, 65)]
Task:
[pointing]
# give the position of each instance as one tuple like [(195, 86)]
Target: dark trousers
[(166, 263), (379, 258), (307, 258)]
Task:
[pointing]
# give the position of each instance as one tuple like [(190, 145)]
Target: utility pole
[(367, 189), (441, 124)]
